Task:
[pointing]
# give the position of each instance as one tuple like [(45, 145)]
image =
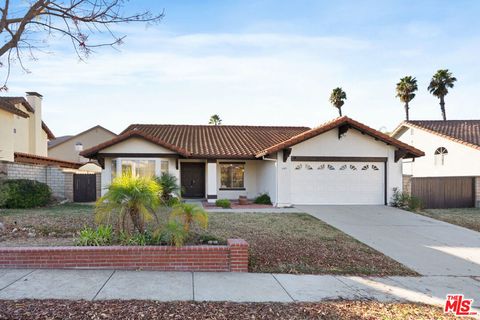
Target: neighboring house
[(21, 127), (340, 162), (68, 148), (452, 149)]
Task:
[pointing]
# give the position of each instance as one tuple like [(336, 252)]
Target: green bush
[(139, 239), (224, 203), (264, 198), (170, 187), (102, 236), (22, 193), (405, 201), (173, 233)]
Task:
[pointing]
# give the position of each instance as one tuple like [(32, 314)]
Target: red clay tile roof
[(225, 141), (207, 141), (466, 132), (411, 151), (34, 159)]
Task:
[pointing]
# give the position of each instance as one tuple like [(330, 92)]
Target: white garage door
[(338, 183)]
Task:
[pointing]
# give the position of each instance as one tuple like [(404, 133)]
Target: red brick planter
[(232, 257)]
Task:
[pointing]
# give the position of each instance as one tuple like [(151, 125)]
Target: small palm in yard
[(406, 92), (131, 198), (190, 213), (337, 99), (170, 187)]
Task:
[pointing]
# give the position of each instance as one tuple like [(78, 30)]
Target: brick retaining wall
[(232, 257)]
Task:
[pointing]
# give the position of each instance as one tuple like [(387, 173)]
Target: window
[(78, 146), (113, 168), (440, 155), (138, 168), (232, 175), (164, 166)]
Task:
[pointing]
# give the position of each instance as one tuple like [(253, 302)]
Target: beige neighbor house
[(68, 148), (449, 174), (22, 130), (340, 162), (24, 152)]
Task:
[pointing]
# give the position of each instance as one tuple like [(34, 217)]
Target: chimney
[(37, 143)]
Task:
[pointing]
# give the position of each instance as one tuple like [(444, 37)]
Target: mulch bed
[(125, 310), (236, 205)]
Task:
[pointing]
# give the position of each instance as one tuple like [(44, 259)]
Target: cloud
[(248, 78)]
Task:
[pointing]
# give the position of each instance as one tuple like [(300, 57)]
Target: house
[(22, 130), (339, 162), (451, 162), (68, 148), (24, 154)]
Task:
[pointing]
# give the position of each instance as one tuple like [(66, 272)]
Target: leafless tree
[(25, 25)]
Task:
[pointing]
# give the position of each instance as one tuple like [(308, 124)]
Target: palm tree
[(215, 120), (406, 92), (337, 99), (129, 197), (190, 213), (439, 85)]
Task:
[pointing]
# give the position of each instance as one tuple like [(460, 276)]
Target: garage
[(338, 182)]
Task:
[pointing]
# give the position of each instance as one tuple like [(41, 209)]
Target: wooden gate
[(84, 188), (445, 192)]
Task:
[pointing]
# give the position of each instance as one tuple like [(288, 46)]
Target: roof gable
[(61, 140), (466, 132), (345, 123), (92, 152)]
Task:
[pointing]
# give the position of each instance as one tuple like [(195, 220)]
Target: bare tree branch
[(77, 20)]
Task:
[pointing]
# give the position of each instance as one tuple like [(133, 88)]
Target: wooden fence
[(445, 192)]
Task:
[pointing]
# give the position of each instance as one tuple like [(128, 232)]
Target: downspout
[(276, 177)]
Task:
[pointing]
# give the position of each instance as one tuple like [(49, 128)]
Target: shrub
[(138, 239), (102, 236), (132, 198), (405, 201), (264, 198), (190, 213), (224, 203), (170, 187), (173, 233), (22, 193)]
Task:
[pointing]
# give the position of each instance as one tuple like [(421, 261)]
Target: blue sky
[(264, 63)]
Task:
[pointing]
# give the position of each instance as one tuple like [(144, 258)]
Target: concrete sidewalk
[(238, 287)]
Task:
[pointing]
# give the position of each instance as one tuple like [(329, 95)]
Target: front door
[(192, 178)]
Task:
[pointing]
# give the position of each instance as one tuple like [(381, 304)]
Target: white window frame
[(158, 164), (440, 156)]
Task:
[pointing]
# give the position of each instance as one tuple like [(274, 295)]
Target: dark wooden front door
[(84, 188), (445, 192), (192, 177)]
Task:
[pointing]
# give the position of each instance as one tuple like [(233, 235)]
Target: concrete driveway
[(428, 246)]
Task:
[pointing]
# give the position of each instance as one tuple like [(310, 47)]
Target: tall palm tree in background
[(215, 120), (337, 99), (439, 85), (406, 92)]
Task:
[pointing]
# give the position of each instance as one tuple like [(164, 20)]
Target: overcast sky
[(264, 62)]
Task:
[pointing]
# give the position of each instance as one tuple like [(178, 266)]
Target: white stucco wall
[(461, 160), (353, 144), (267, 179), (134, 146)]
